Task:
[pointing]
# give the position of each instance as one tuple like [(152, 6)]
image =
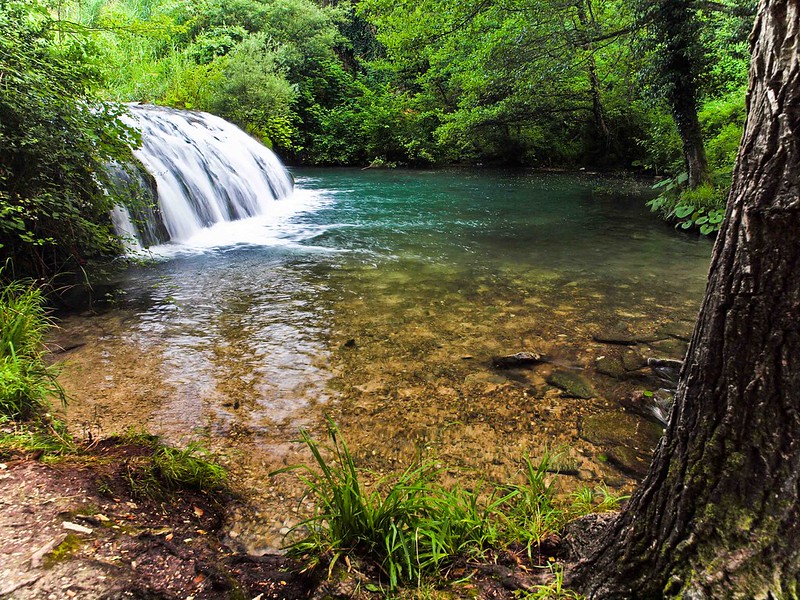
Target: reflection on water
[(382, 303)]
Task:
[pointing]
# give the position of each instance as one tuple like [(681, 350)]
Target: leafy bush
[(55, 137), (702, 207)]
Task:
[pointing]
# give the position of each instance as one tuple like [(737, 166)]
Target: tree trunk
[(683, 100), (679, 56), (718, 515), (584, 9)]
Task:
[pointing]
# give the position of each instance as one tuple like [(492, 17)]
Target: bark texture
[(718, 515)]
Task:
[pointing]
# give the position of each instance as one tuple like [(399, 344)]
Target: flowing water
[(380, 298)]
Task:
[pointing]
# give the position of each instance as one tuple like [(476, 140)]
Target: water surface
[(380, 298)]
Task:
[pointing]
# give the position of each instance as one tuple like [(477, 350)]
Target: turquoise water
[(380, 298)]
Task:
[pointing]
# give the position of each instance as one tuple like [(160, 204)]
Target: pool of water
[(380, 298)]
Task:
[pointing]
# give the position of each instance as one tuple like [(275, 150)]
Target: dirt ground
[(73, 530)]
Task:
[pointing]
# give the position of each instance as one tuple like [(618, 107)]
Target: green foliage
[(55, 136), (533, 83), (702, 207), (190, 468), (41, 436), (381, 524), (27, 382), (254, 92), (412, 527), (551, 591), (164, 470)]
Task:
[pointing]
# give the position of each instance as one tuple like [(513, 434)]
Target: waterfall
[(206, 171)]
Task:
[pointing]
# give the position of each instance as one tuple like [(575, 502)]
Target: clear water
[(380, 298)]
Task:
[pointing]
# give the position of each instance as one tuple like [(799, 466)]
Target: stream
[(380, 299)]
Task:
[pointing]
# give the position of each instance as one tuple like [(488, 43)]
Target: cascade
[(205, 170)]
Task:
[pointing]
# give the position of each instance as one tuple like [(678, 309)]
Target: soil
[(130, 547), (72, 529)]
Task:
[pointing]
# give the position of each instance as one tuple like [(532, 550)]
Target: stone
[(672, 348), (633, 361), (621, 337), (627, 441), (681, 330), (611, 366), (517, 361), (572, 384), (68, 525), (629, 461)]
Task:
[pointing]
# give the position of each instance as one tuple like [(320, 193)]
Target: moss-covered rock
[(572, 384)]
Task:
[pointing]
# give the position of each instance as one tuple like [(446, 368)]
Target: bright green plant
[(381, 524), (55, 138), (27, 382), (554, 590), (702, 207), (411, 526), (531, 513), (167, 470)]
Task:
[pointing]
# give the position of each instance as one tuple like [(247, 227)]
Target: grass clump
[(163, 470), (413, 528), (27, 383), (42, 436)]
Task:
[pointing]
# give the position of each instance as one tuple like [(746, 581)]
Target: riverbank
[(75, 528)]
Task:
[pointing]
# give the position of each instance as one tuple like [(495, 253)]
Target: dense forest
[(648, 86)]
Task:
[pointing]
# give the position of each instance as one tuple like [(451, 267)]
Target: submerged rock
[(633, 361), (517, 361), (621, 365), (611, 366), (572, 384), (681, 330), (671, 347), (626, 440), (618, 336)]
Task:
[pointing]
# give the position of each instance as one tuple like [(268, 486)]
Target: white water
[(208, 173)]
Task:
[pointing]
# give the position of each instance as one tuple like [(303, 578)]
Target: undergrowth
[(27, 382), (163, 470), (41, 436), (411, 527)]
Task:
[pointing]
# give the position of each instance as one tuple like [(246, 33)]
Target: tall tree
[(675, 34), (718, 515)]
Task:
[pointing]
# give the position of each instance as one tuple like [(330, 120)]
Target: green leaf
[(686, 224), (706, 229), (682, 211), (701, 221)]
